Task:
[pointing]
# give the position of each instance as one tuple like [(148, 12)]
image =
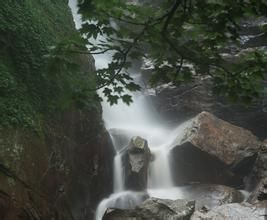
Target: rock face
[(65, 174), (210, 147), (136, 159), (233, 211), (58, 166), (154, 208)]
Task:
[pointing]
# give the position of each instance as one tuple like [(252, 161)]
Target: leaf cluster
[(182, 39)]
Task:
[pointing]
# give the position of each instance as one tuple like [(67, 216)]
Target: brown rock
[(229, 143), (214, 151)]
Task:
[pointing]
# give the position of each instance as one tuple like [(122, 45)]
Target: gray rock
[(208, 196), (234, 211), (154, 208)]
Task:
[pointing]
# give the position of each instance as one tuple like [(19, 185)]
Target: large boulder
[(233, 211), (214, 151), (231, 144), (135, 159), (154, 208)]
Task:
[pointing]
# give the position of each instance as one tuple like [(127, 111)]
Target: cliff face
[(55, 155)]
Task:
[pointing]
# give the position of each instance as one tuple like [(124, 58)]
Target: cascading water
[(138, 119)]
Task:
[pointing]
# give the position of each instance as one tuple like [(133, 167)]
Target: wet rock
[(233, 211), (136, 159), (208, 196), (154, 208), (260, 193), (259, 170)]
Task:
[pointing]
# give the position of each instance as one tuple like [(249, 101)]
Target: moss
[(29, 90)]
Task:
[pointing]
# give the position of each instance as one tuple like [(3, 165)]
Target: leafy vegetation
[(33, 86), (182, 38)]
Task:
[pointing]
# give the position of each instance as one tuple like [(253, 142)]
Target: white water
[(118, 174), (122, 200)]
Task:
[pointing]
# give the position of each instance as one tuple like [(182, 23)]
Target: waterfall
[(138, 119)]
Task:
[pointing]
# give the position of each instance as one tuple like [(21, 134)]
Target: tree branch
[(174, 47), (179, 68), (125, 55)]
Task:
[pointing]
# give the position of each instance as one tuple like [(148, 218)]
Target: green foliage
[(31, 87), (182, 38)]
